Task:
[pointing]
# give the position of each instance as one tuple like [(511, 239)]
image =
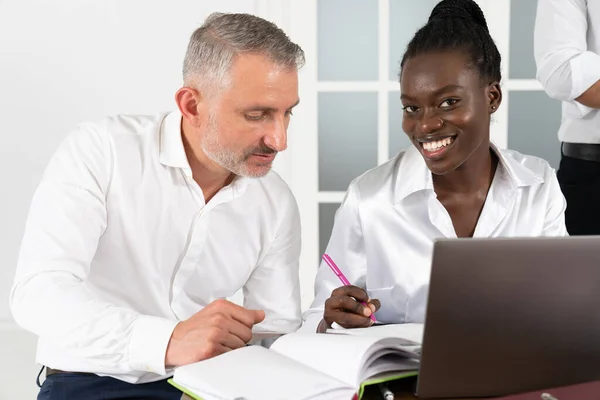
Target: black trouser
[(75, 386), (580, 183)]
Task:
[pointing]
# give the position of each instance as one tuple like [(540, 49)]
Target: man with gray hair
[(142, 226)]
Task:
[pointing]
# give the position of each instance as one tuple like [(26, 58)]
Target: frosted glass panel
[(398, 139), (533, 122), (326, 218), (347, 137), (347, 35), (406, 17), (522, 19)]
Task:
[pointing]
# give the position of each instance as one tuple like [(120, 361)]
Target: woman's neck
[(473, 176)]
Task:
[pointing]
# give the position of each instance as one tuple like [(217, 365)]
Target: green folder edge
[(361, 390), (366, 383), (184, 390)]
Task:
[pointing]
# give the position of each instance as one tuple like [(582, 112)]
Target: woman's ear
[(494, 96)]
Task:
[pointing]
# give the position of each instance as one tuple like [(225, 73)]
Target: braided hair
[(458, 25)]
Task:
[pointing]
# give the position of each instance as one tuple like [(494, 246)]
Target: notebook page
[(256, 373), (389, 362), (412, 332), (340, 356)]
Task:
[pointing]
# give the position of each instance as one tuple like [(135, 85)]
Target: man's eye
[(448, 103), (254, 117), (289, 112), (410, 109)]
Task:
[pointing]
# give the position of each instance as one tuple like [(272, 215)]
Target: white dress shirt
[(119, 246), (384, 231), (567, 54)]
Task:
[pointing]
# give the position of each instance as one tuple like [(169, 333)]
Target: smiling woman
[(450, 86), (453, 182)]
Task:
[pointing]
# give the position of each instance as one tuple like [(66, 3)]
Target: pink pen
[(344, 280)]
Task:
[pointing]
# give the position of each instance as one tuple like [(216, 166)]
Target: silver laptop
[(511, 315)]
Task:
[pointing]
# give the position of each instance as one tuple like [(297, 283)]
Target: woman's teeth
[(438, 144)]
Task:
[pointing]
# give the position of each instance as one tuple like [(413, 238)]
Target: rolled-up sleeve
[(565, 67)]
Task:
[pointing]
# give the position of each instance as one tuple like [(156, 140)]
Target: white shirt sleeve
[(565, 67), (274, 284), (49, 296), (346, 248)]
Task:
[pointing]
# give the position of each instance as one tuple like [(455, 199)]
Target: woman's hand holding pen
[(344, 308)]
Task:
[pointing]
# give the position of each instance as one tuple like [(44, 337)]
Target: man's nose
[(276, 138)]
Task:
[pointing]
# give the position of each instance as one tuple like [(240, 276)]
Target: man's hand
[(344, 307), (219, 327)]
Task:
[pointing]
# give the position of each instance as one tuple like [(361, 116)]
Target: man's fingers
[(239, 313), (247, 317), (259, 316), (232, 341), (225, 349), (353, 291), (239, 330)]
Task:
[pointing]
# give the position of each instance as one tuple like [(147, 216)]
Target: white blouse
[(384, 231)]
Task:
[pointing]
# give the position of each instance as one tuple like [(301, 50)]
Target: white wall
[(74, 60)]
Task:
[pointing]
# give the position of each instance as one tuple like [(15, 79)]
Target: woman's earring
[(493, 108)]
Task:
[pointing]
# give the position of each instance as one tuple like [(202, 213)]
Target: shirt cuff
[(585, 71), (311, 321), (148, 346)]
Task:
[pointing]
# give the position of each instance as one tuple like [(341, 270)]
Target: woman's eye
[(448, 103), (410, 109)]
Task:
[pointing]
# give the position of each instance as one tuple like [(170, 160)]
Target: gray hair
[(214, 46)]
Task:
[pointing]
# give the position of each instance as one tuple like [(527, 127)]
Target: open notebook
[(412, 331), (300, 366)]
